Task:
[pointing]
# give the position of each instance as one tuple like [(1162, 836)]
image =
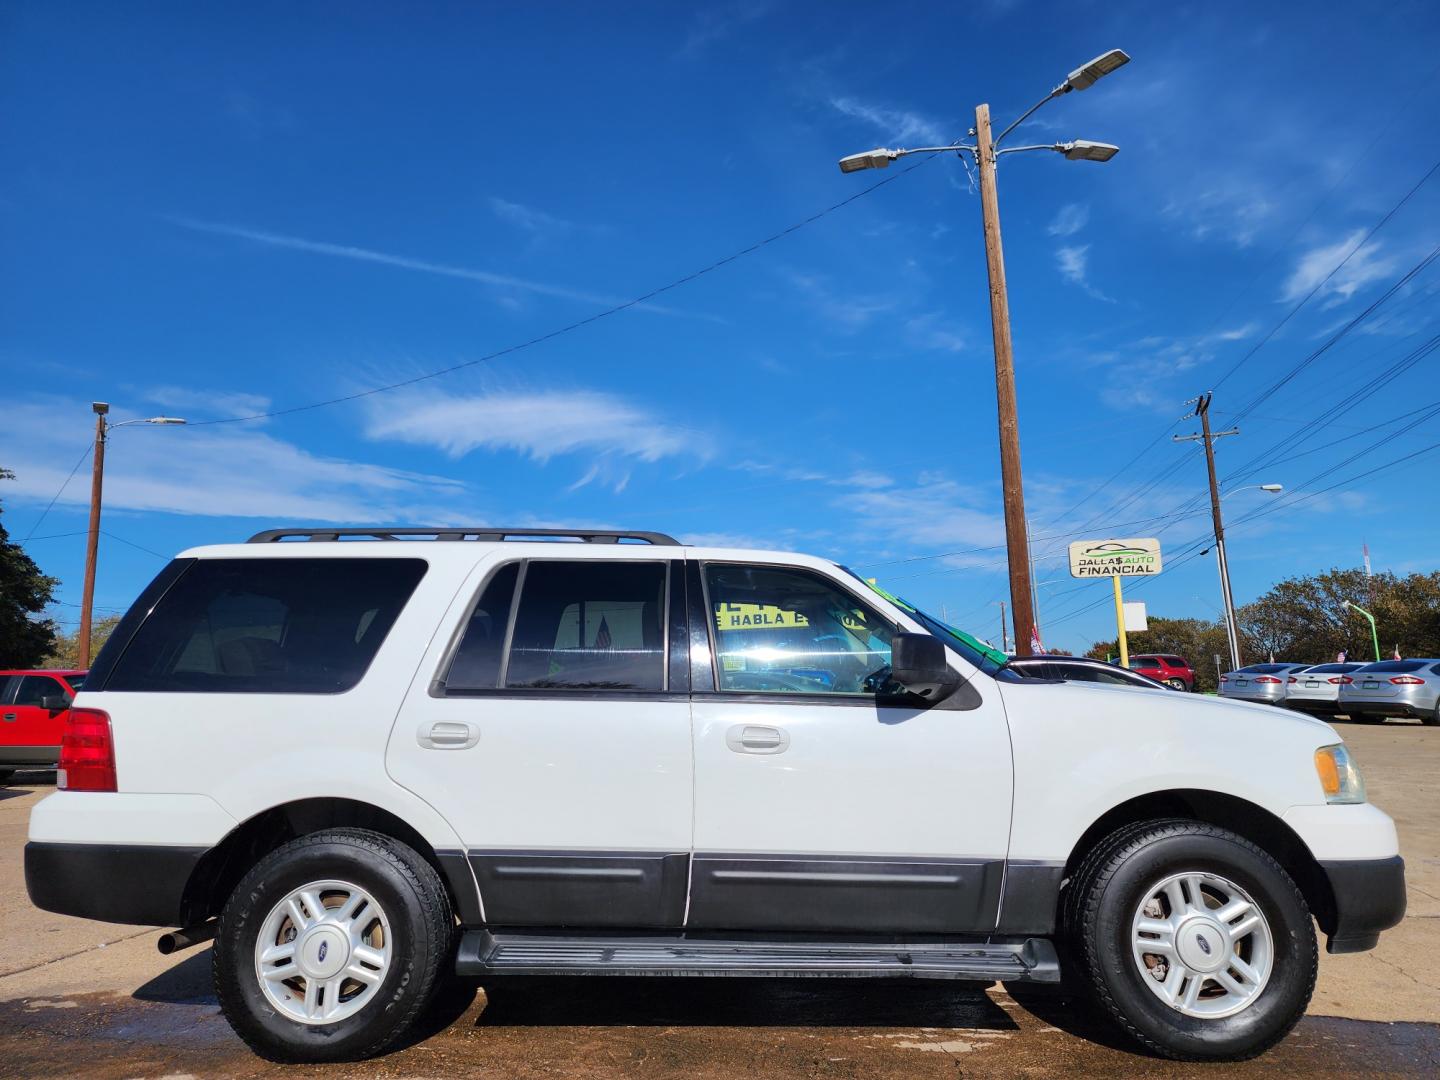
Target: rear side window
[(476, 665), (589, 625), (267, 626)]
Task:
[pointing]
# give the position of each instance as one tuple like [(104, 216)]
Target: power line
[(570, 327), (78, 462)]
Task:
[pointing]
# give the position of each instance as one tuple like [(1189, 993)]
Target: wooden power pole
[(1022, 599), (92, 546), (1232, 627)]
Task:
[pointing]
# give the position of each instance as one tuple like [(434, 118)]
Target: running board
[(483, 953)]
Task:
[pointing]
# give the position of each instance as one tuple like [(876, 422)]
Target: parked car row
[(1386, 688)]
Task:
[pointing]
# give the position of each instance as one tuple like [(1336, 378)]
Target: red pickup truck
[(33, 708), (1174, 671)]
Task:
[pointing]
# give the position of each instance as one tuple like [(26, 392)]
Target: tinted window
[(1174, 661), (33, 688), (793, 632), (1267, 669), (589, 626), (1396, 666), (278, 626), (76, 682), (8, 685), (476, 665), (1331, 669)]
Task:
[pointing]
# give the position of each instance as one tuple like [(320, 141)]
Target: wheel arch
[(1255, 823), (220, 869)]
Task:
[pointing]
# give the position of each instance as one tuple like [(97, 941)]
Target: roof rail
[(484, 533)]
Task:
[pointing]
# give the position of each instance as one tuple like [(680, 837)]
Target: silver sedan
[(1264, 683), (1316, 690), (1393, 688)]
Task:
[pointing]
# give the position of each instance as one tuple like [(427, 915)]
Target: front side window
[(34, 689), (788, 631), (277, 626), (589, 625)]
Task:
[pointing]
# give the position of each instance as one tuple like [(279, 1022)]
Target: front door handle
[(10, 716), (757, 739), (448, 735)]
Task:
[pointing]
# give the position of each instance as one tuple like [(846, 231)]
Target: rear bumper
[(143, 884), (1395, 707), (1369, 897), (1313, 706)]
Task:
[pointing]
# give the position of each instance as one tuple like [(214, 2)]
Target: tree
[(25, 637), (1198, 640), (66, 651)]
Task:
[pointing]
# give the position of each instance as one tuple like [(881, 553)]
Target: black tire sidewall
[(414, 954), (1286, 993)]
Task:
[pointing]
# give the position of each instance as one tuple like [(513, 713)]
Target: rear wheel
[(331, 946), (1194, 940), (1177, 684)]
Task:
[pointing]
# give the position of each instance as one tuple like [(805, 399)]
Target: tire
[(410, 935), (1433, 720), (1114, 889), (5, 775), (1178, 684)]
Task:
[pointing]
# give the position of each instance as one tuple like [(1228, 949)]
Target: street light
[(103, 427), (1222, 562), (985, 152)]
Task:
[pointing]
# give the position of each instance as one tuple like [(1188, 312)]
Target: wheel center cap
[(323, 953), (1201, 944)]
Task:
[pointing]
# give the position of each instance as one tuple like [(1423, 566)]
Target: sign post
[(1116, 559)]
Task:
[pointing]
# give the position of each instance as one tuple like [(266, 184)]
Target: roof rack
[(482, 533)]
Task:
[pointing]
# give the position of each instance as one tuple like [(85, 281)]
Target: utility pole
[(1232, 628), (1017, 535), (92, 545), (985, 153), (1004, 639), (103, 427)]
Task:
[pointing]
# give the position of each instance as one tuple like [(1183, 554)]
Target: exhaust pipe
[(176, 940)]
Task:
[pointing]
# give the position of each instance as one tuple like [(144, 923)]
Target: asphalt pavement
[(82, 998)]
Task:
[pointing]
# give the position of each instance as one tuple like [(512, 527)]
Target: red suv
[(33, 708), (1174, 671)]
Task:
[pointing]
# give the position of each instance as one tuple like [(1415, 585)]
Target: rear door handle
[(757, 739), (448, 735)]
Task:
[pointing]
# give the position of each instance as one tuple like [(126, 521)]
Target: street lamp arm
[(1061, 89), (1058, 147)]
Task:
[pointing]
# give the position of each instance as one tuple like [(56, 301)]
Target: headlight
[(1339, 775)]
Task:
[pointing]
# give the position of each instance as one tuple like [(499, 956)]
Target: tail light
[(1407, 680), (1340, 680), (1266, 679), (87, 752), (1292, 679), (1224, 678)]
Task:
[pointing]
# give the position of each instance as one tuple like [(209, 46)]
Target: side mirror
[(919, 663), (55, 702)]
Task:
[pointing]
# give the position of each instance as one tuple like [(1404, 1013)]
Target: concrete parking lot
[(85, 998)]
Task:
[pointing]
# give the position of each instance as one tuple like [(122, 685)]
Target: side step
[(483, 953)]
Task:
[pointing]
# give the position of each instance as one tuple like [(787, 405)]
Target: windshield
[(987, 659)]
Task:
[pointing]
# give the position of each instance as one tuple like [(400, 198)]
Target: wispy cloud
[(1071, 218), (1074, 265), (849, 313), (405, 262), (1311, 268), (929, 332), (1233, 210), (540, 224), (900, 125), (715, 24), (207, 402), (540, 424), (220, 472)]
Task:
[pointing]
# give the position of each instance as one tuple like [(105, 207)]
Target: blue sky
[(217, 211)]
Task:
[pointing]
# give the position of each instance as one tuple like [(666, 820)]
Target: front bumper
[(142, 884), (1369, 897)]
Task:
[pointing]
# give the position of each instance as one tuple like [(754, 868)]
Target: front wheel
[(1194, 940), (331, 946)]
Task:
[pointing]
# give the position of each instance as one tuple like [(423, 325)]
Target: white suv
[(363, 759)]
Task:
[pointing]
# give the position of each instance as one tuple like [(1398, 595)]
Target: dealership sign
[(1114, 558)]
